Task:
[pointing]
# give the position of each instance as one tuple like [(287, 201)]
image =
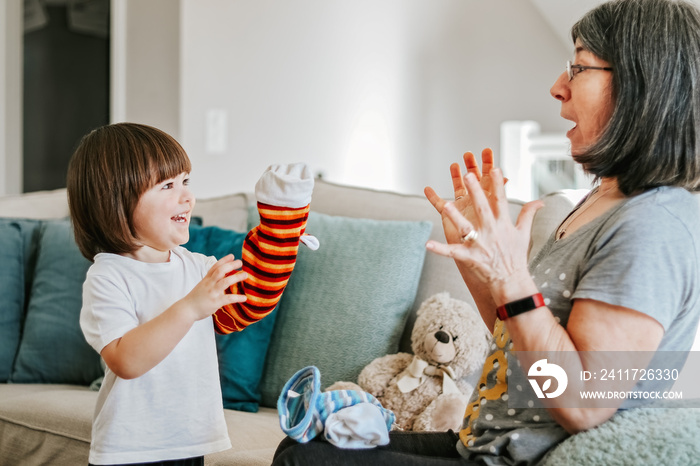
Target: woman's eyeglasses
[(573, 70)]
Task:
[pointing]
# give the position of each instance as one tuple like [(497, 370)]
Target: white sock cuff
[(285, 185)]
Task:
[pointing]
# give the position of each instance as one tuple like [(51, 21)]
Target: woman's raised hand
[(477, 225), (463, 201)]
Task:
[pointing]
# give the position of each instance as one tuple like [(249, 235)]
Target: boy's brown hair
[(109, 171)]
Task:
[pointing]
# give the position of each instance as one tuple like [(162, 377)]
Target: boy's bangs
[(169, 160)]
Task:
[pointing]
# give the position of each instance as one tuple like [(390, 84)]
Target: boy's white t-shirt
[(175, 410)]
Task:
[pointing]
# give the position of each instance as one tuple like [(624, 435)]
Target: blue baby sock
[(303, 408)]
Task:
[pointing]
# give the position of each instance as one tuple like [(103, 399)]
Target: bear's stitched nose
[(442, 337)]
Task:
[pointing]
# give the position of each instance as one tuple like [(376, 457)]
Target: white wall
[(380, 93), (376, 93), (145, 75)]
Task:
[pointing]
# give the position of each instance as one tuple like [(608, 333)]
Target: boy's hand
[(211, 293), (146, 345)]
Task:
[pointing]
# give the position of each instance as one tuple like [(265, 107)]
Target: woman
[(621, 272)]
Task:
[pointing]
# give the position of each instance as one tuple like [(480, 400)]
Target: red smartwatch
[(520, 306)]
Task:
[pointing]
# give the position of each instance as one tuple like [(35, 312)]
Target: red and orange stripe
[(269, 255)]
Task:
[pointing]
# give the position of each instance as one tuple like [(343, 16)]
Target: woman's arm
[(593, 326), (499, 257), (463, 202), (145, 346)]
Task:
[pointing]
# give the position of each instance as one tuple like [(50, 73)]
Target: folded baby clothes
[(359, 426), (304, 411)]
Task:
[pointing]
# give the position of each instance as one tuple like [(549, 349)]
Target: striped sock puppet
[(270, 249)]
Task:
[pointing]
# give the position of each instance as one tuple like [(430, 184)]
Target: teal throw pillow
[(31, 231), (241, 354), (346, 303), (12, 292), (53, 349)]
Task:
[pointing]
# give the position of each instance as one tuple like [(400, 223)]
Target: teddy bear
[(429, 390)]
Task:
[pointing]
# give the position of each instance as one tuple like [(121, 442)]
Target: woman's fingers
[(499, 200), (457, 182), (463, 226), (472, 166), (447, 250), (486, 161), (479, 198), (435, 200)]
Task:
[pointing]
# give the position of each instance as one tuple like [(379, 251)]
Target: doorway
[(66, 84)]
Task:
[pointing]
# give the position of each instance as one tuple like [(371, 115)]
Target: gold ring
[(470, 237)]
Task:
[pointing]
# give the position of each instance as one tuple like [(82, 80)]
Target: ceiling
[(562, 14)]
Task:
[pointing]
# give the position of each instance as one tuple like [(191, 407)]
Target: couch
[(349, 302)]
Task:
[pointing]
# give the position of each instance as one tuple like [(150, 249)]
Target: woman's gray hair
[(653, 47)]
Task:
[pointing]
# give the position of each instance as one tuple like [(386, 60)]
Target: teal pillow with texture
[(12, 292), (241, 354), (30, 230), (53, 349), (346, 303)]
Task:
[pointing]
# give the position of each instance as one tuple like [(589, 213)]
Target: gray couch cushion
[(45, 424), (254, 437), (229, 212), (38, 205)]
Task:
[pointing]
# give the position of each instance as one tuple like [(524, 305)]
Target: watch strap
[(520, 306)]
